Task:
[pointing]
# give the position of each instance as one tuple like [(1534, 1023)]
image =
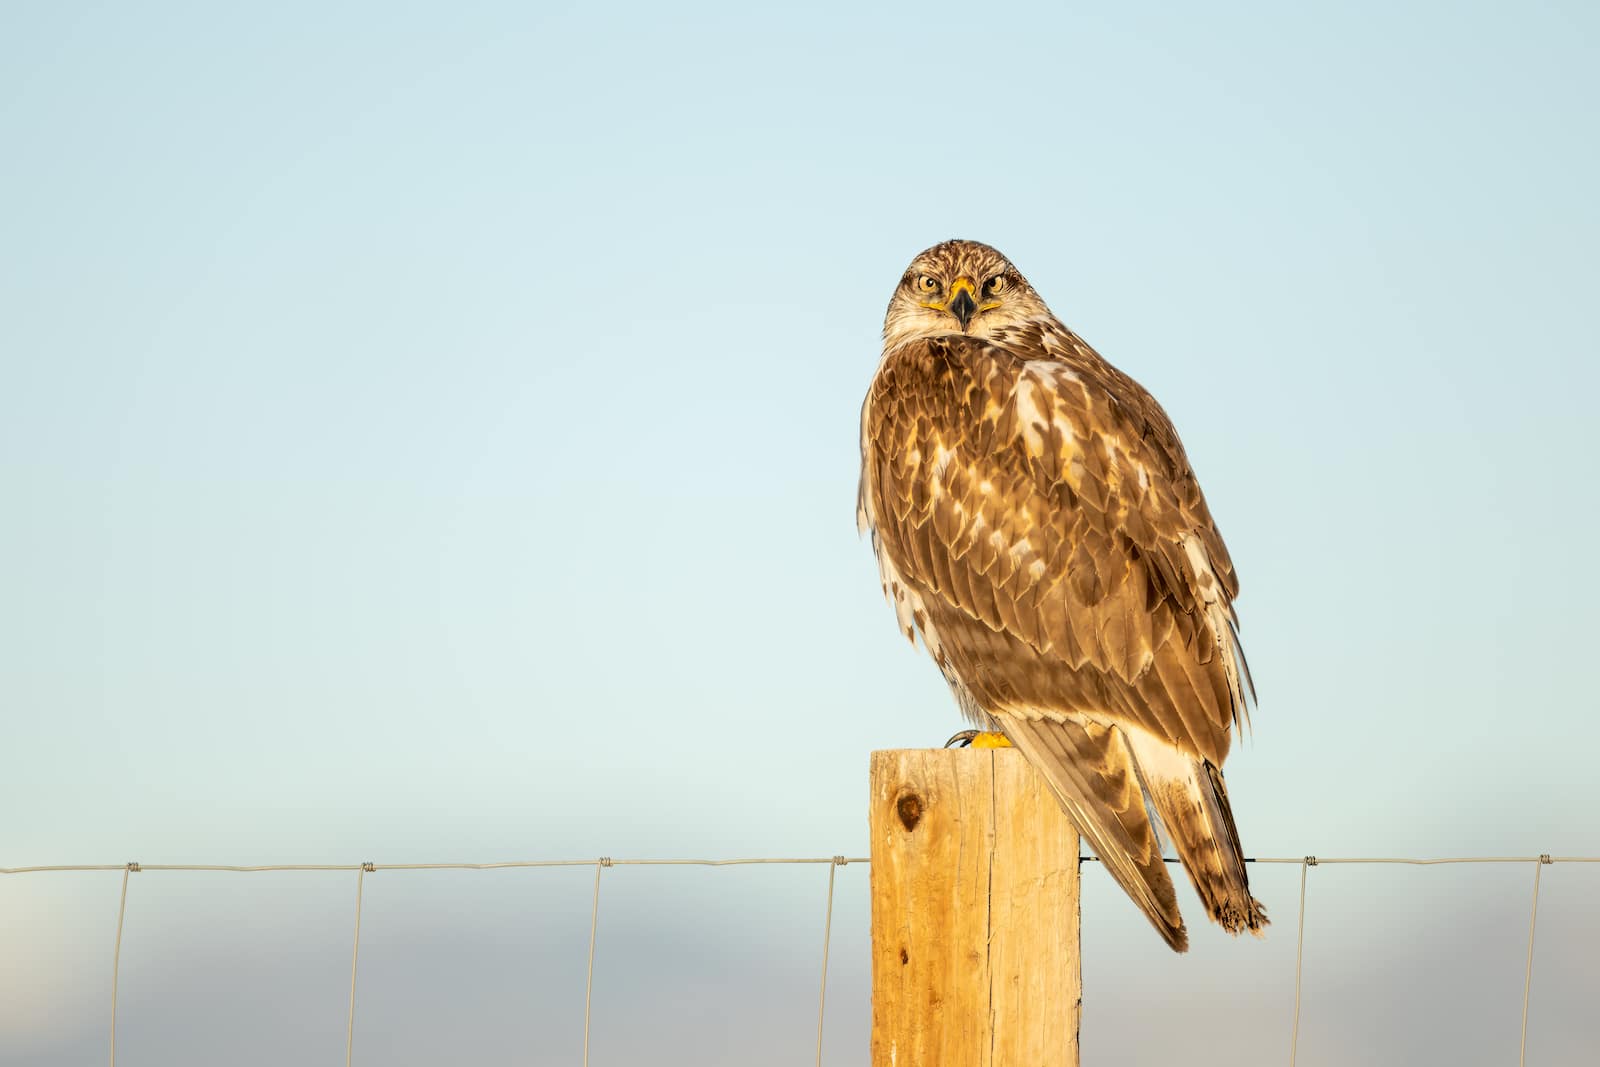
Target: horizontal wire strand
[(746, 861), (1420, 862)]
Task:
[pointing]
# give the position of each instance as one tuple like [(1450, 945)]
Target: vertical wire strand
[(594, 924), (116, 958), (827, 940), (1299, 959), (1527, 978), (355, 958)]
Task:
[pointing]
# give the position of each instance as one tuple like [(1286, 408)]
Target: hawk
[(1038, 526)]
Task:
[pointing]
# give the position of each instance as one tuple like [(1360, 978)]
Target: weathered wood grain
[(974, 913)]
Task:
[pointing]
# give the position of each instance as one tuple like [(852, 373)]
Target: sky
[(429, 433)]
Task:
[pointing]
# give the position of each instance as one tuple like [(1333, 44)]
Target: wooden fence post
[(974, 913)]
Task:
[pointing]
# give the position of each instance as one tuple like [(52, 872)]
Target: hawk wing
[(1038, 525), (1026, 489)]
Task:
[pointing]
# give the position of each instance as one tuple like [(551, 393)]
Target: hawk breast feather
[(1037, 522)]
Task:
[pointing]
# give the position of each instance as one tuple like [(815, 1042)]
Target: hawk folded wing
[(1037, 507)]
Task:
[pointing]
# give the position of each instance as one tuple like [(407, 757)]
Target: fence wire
[(834, 863)]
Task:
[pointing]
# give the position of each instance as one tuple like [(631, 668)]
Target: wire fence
[(361, 870)]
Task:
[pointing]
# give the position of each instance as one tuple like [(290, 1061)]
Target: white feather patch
[(1159, 759), (909, 611)]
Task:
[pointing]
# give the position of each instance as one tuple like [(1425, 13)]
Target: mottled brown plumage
[(1037, 524)]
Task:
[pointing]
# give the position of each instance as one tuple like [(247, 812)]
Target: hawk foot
[(977, 739)]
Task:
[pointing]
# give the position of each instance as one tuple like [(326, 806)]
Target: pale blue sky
[(429, 432)]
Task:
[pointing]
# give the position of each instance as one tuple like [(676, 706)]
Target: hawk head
[(959, 287)]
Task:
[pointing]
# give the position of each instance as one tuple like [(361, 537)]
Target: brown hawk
[(1037, 524)]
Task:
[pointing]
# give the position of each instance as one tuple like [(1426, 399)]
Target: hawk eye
[(926, 284), (994, 285)]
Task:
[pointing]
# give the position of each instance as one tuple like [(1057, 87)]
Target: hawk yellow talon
[(977, 739)]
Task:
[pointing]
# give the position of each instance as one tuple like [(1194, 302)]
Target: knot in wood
[(909, 808)]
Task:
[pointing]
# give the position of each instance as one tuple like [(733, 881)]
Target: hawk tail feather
[(1091, 770), (1192, 802)]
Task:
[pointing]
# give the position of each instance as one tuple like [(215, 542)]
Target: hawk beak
[(963, 304)]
